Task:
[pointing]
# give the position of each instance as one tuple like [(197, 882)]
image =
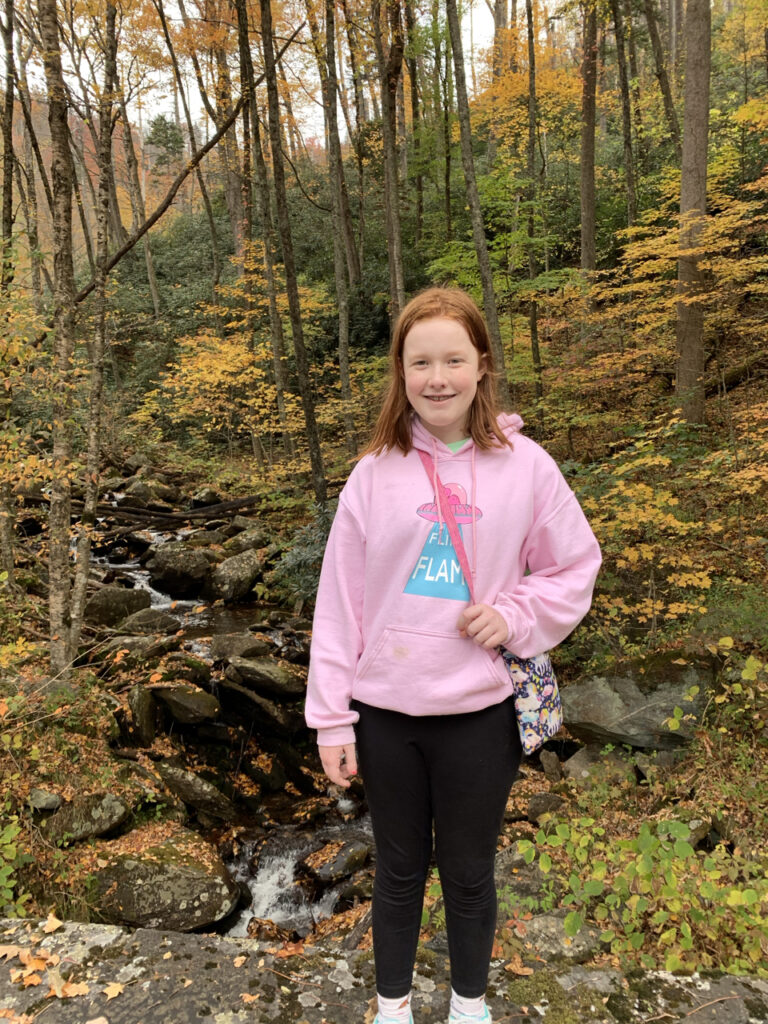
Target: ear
[(482, 368)]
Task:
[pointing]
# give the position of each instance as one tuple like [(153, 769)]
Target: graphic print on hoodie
[(437, 572)]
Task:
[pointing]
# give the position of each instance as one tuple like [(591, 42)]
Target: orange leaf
[(248, 998), (115, 989), (52, 923)]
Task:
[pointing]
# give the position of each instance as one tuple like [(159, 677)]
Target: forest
[(212, 212)]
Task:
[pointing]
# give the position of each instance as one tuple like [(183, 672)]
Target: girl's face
[(441, 368)]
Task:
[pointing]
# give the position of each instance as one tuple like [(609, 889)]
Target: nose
[(437, 378)]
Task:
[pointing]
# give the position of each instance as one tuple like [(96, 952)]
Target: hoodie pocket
[(402, 656)]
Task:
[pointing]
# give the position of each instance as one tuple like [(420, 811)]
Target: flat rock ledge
[(97, 974)]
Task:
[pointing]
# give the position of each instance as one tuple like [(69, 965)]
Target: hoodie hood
[(509, 422)]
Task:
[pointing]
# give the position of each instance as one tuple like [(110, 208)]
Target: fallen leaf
[(97, 1020), (75, 988), (239, 961), (167, 956), (187, 982), (3, 709), (53, 922), (32, 979), (290, 949), (248, 998), (113, 990), (9, 952), (516, 966)]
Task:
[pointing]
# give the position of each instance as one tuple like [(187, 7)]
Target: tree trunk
[(533, 270), (335, 169), (390, 63), (473, 197), (689, 384), (98, 346), (626, 116), (443, 95), (588, 109), (63, 342), (229, 156), (6, 271), (357, 136), (661, 75), (413, 74), (286, 239), (138, 210), (634, 78)]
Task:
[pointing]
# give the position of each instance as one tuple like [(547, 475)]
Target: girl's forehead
[(437, 331)]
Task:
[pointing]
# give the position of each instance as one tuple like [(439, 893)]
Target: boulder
[(631, 706), (546, 934), (226, 646), (86, 816), (196, 792), (278, 718), (268, 676), (335, 861), (136, 462), (138, 649), (250, 539), (590, 766), (111, 605), (180, 884), (42, 800), (543, 803), (514, 878), (205, 497), (188, 704), (179, 570), (550, 762), (181, 665), (205, 538), (234, 577), (140, 489), (144, 714), (149, 620)]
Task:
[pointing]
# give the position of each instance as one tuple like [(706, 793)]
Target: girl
[(405, 673)]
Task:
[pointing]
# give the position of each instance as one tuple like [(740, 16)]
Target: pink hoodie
[(391, 588)]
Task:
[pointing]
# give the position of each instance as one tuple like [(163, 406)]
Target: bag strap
[(441, 496)]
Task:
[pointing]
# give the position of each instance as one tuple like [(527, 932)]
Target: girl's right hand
[(339, 763)]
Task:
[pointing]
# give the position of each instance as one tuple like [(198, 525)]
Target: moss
[(572, 1007)]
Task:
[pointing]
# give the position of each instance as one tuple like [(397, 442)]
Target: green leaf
[(573, 923), (683, 849), (545, 863), (673, 963)]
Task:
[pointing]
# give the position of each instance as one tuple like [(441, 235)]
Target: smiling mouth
[(439, 398)]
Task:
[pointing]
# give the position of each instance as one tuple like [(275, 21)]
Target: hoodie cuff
[(337, 736), (515, 625)]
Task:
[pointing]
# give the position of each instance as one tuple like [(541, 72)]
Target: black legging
[(454, 771)]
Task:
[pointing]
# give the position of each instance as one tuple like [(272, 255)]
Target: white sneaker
[(462, 1018), (378, 1019)]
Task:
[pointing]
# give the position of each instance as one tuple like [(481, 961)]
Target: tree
[(473, 197), (588, 109), (689, 383), (286, 241)]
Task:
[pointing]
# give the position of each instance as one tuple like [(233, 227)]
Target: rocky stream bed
[(246, 896)]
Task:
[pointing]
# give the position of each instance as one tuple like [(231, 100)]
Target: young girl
[(405, 673)]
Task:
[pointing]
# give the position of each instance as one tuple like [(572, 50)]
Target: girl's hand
[(339, 763), (484, 625)]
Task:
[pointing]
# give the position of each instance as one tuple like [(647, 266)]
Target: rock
[(196, 792), (144, 714), (149, 620), (111, 605), (268, 676), (241, 523), (205, 538), (187, 666), (250, 539), (140, 489), (226, 646), (550, 762), (138, 649), (589, 766), (136, 462), (165, 491), (234, 577), (84, 817), (541, 804), (180, 884), (189, 704), (179, 570), (205, 497), (42, 800), (282, 719), (335, 861), (514, 878), (631, 707), (358, 887), (546, 934)]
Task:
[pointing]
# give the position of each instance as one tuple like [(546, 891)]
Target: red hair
[(393, 426)]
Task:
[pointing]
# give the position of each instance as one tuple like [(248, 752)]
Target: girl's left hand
[(484, 625)]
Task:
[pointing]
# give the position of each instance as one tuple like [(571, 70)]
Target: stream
[(267, 865)]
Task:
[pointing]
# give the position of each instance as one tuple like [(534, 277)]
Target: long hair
[(393, 426)]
